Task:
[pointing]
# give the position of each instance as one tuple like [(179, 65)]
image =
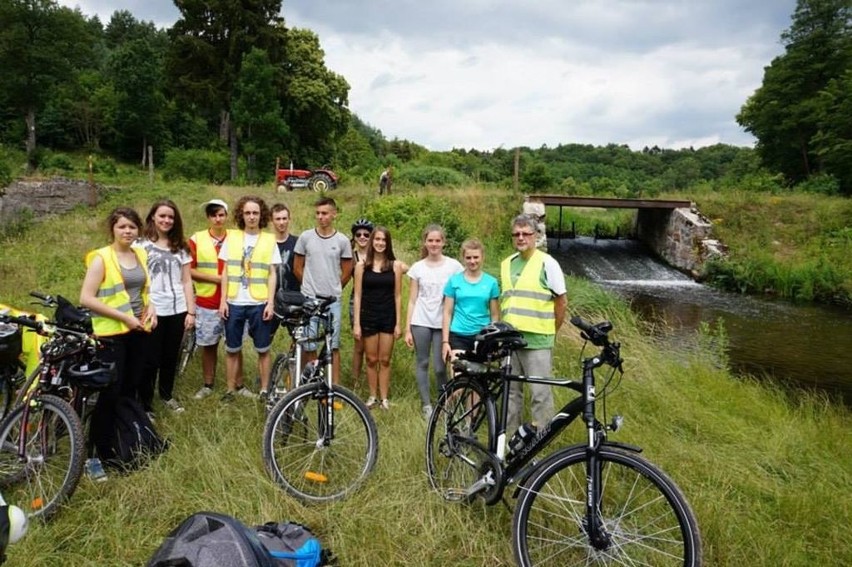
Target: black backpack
[(208, 539), (135, 440)]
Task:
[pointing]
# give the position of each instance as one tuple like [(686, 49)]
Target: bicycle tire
[(300, 457), (464, 410), (7, 392), (187, 350), (647, 517), (42, 482)]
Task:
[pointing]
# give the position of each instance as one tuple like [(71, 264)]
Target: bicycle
[(42, 443), (596, 502), (11, 367), (187, 350), (319, 441)]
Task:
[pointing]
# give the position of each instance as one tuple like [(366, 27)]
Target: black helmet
[(361, 223), (493, 338), (93, 374)]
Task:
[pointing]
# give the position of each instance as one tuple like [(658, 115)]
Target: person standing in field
[(206, 270), (252, 260), (429, 276), (171, 294), (378, 312), (385, 181), (286, 243), (323, 265), (533, 301), (360, 242), (471, 301), (115, 288)]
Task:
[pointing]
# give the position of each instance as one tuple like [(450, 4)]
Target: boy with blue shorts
[(248, 295)]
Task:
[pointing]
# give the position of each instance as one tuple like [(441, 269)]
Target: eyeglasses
[(522, 234), (362, 235)]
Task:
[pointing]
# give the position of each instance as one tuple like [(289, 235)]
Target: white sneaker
[(427, 412), (372, 402), (203, 392), (245, 392), (385, 405), (173, 405)]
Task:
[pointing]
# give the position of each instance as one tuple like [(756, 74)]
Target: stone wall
[(681, 237), (45, 197)]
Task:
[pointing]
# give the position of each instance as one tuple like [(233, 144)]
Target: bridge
[(674, 229)]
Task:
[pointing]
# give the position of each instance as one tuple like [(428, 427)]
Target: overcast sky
[(497, 73)]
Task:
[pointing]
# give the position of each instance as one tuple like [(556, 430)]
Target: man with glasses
[(534, 301)]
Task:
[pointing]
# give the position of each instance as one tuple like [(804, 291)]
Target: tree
[(786, 112), (40, 46), (208, 44), (257, 113)]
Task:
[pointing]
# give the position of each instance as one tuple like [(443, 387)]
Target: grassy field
[(770, 478)]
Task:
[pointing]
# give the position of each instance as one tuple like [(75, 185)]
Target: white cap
[(217, 202)]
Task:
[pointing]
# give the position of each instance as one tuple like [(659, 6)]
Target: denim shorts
[(259, 330), (209, 327), (313, 328)]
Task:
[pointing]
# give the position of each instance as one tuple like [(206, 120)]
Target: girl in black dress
[(378, 304)]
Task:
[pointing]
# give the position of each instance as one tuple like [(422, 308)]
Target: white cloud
[(493, 73)]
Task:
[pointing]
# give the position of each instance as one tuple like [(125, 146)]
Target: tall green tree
[(315, 100), (41, 45), (209, 41), (257, 113), (785, 114)]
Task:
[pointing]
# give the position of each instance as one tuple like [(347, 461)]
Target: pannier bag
[(209, 539), (10, 343)]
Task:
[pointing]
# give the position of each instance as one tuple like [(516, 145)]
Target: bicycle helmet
[(362, 223), (492, 339), (93, 374)]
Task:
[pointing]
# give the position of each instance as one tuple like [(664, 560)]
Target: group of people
[(150, 285)]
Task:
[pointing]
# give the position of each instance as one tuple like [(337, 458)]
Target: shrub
[(407, 215), (197, 165), (427, 175), (54, 162)]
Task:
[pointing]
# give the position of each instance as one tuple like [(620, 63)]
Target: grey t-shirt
[(321, 275)]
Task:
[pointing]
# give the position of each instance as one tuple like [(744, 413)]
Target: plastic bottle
[(521, 437)]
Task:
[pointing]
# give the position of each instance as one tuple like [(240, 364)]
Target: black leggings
[(162, 360)]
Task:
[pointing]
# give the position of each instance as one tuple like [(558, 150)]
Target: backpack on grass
[(135, 440), (208, 539)]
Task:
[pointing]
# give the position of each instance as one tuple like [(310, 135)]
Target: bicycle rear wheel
[(313, 458), (646, 517), (45, 477), (187, 350), (458, 438)]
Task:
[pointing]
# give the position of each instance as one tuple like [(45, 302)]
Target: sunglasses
[(362, 234), (522, 234)]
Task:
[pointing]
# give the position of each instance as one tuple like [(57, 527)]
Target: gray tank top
[(134, 281)]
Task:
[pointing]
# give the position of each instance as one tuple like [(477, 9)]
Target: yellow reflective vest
[(206, 262), (256, 270), (112, 291), (525, 304)]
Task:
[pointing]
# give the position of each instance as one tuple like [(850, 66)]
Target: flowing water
[(807, 346)]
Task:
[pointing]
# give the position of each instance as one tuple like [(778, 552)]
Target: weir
[(674, 230)]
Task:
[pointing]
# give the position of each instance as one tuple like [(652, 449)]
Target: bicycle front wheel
[(46, 475), (187, 350), (280, 378), (458, 438), (646, 519), (317, 453)]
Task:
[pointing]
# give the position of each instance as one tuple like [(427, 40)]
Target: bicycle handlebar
[(48, 300), (597, 334)]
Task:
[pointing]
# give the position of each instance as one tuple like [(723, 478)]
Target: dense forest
[(228, 89)]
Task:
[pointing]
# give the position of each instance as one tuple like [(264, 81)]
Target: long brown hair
[(175, 235), (389, 255)]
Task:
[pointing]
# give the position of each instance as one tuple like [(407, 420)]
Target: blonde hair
[(471, 244)]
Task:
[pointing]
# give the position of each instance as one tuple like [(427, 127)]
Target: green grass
[(769, 476)]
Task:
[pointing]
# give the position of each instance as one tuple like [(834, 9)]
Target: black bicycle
[(320, 441), (42, 443), (594, 503)]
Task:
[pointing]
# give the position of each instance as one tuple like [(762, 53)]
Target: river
[(801, 346)]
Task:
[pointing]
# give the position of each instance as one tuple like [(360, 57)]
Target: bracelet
[(445, 342), (190, 314)]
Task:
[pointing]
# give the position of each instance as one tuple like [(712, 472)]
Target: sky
[(489, 74)]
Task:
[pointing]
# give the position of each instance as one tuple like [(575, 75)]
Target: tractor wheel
[(284, 187), (320, 182)]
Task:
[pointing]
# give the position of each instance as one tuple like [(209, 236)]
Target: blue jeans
[(314, 325), (259, 330)]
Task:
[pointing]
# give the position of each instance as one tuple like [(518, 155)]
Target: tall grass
[(769, 476)]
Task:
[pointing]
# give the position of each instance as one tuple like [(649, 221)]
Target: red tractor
[(287, 179)]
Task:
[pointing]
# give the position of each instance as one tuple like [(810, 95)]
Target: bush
[(197, 165), (55, 162), (427, 175), (407, 215)]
